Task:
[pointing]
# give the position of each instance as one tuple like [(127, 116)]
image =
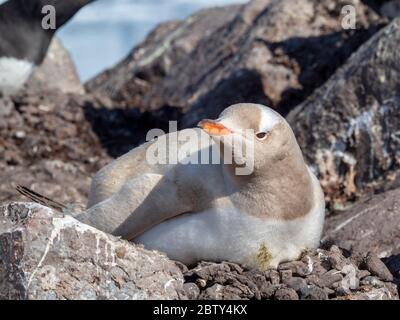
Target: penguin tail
[(38, 198)]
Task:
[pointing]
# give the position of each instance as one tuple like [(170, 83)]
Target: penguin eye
[(261, 135)]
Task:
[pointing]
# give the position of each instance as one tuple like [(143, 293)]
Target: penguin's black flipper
[(38, 198)]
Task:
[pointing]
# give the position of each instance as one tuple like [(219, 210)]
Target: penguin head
[(252, 133)]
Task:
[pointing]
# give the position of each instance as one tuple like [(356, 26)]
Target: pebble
[(286, 294), (377, 268)]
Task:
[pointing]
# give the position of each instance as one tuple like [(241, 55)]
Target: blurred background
[(102, 33)]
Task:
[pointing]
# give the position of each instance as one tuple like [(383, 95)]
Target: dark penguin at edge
[(23, 41)]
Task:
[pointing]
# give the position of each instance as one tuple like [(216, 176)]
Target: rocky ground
[(338, 88), (47, 255)]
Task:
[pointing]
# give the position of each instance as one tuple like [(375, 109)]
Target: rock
[(286, 294), (376, 218), (194, 69), (47, 143), (230, 281), (393, 264), (371, 281), (354, 145), (152, 60), (44, 255), (313, 293), (377, 268), (391, 9), (298, 268), (57, 72), (336, 258), (296, 283)]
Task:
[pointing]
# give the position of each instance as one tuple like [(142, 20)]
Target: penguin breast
[(13, 74)]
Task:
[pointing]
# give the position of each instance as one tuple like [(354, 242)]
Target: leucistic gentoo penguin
[(24, 41), (195, 212)]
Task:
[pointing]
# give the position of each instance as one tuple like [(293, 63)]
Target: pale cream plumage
[(207, 212)]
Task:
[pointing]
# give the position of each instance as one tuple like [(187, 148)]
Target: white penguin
[(195, 212)]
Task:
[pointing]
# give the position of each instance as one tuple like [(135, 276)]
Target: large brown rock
[(371, 225), (349, 129), (47, 256), (268, 51), (57, 72)]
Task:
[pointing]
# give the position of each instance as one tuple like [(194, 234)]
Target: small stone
[(295, 283), (329, 278), (201, 283), (191, 290), (363, 273), (298, 268), (336, 258), (273, 276), (372, 281), (285, 275), (20, 134), (286, 294), (268, 290), (313, 292), (377, 268)]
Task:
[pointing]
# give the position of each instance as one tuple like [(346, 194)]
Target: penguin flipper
[(139, 205)]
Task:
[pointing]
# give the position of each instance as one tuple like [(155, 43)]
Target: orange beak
[(214, 128)]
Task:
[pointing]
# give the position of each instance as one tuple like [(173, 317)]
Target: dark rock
[(391, 9), (194, 69), (377, 268), (371, 225), (353, 147), (393, 264), (229, 281)]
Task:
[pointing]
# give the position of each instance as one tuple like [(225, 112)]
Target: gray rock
[(372, 281), (296, 283), (330, 278), (371, 225), (57, 72), (313, 292), (44, 255), (354, 146)]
